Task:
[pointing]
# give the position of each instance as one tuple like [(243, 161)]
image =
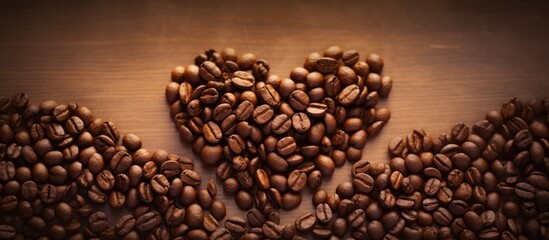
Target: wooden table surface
[(451, 61)]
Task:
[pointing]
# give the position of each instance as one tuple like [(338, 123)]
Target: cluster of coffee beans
[(57, 161), (273, 136), (485, 182)]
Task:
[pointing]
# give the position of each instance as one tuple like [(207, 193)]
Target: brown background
[(451, 60)]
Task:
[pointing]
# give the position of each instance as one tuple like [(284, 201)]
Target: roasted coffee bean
[(190, 177), (356, 218), (148, 221), (524, 190), (221, 234), (473, 221), (281, 124), (269, 95), (262, 114), (236, 225), (218, 210), (326, 65), (297, 180), (305, 222), (244, 200), (105, 180), (363, 182), (442, 216), (255, 218), (442, 163), (272, 230), (125, 224), (348, 95), (242, 80), (324, 213), (160, 184), (97, 222)]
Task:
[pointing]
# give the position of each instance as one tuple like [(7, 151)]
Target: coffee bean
[(286, 146), (125, 224), (375, 62), (473, 221), (148, 221), (281, 124), (271, 230), (305, 222), (442, 163), (221, 234), (217, 209), (445, 195), (324, 213), (314, 180), (297, 180), (236, 225), (442, 216), (262, 114), (356, 218), (325, 164), (160, 184), (363, 182), (190, 177), (105, 180), (97, 222), (524, 190), (242, 80), (270, 95), (348, 95), (326, 65)]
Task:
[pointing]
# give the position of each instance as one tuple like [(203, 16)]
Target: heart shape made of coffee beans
[(270, 137)]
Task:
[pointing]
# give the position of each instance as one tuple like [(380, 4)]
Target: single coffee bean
[(244, 200), (363, 182), (242, 80), (326, 65), (405, 202), (316, 109), (442, 216), (148, 221), (190, 177), (221, 234), (236, 225), (297, 180), (375, 62), (305, 222), (286, 146), (301, 122), (442, 163), (270, 95), (348, 95), (271, 230), (524, 190), (299, 100), (97, 222), (397, 145), (281, 124), (262, 114), (160, 184), (324, 213), (116, 199), (356, 218), (209, 71), (458, 207)]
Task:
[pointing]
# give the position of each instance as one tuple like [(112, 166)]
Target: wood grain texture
[(451, 61)]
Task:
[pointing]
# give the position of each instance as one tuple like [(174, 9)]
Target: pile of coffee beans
[(485, 182), (58, 163), (272, 136)]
